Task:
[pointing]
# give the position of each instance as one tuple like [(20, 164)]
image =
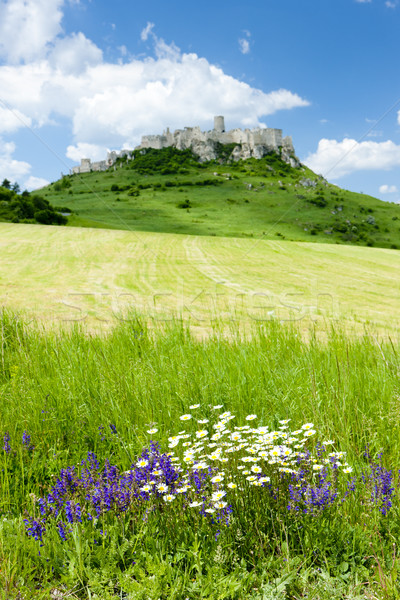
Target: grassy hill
[(169, 191), (96, 277)]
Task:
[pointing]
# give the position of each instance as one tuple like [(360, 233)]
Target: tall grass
[(71, 390)]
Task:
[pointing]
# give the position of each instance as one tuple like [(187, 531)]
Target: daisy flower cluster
[(280, 459), (212, 469)]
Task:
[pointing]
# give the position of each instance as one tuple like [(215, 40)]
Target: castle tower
[(219, 124)]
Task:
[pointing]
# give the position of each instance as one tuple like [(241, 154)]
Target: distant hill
[(169, 191)]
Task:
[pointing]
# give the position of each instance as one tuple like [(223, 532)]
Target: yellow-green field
[(95, 277)]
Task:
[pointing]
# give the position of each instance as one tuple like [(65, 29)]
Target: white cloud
[(114, 104), (388, 189), (390, 4), (146, 31), (74, 54), (244, 46), (50, 75), (335, 159), (35, 183), (363, 1), (11, 169), (11, 120), (82, 150), (27, 26)]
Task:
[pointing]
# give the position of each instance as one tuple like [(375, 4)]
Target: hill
[(169, 191)]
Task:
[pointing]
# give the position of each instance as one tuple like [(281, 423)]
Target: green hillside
[(170, 191)]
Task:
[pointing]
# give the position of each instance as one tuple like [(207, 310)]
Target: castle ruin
[(248, 143)]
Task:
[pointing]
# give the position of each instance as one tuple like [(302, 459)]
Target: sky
[(80, 77)]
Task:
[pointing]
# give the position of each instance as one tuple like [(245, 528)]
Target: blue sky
[(78, 77)]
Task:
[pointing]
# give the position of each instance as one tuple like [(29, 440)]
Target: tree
[(6, 184), (15, 188)]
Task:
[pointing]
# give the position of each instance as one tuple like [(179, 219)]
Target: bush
[(185, 204)]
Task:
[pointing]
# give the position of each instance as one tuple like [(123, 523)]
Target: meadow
[(199, 415), (96, 277), (149, 463)]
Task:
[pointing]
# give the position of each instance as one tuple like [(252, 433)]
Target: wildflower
[(215, 455), (318, 467), (218, 478), (6, 439), (251, 478), (210, 510), (225, 415), (162, 487), (183, 489), (169, 498), (217, 406), (185, 417), (142, 463), (284, 422), (202, 433), (203, 421), (264, 479), (251, 417), (146, 488), (328, 443), (151, 431), (26, 441), (256, 469), (307, 426), (218, 495), (348, 470), (219, 505), (219, 426), (232, 485), (193, 406), (194, 504), (309, 433)]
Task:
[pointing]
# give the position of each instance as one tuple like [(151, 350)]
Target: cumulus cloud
[(74, 54), (388, 189), (335, 159), (35, 183), (390, 4), (48, 77), (11, 120), (114, 104), (11, 169), (82, 150), (27, 26)]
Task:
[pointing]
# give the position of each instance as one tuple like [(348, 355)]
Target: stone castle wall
[(250, 143)]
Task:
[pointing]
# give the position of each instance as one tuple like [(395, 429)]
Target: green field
[(111, 338), (169, 191), (331, 536), (98, 277)]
